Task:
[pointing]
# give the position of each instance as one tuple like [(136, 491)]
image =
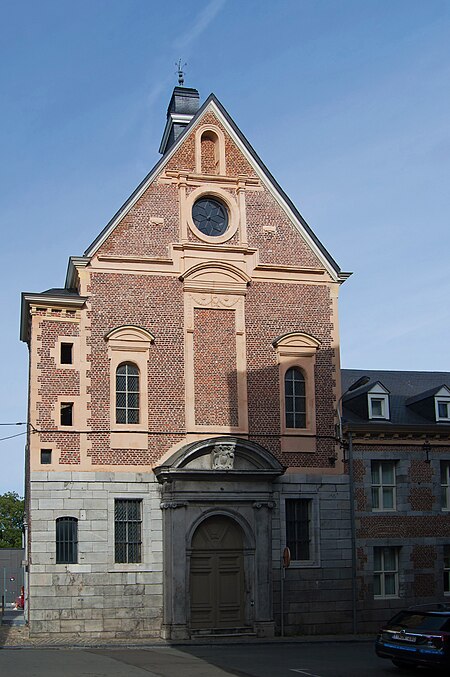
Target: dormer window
[(378, 406), (443, 409), (432, 404), (378, 402)]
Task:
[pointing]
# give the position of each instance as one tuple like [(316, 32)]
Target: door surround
[(225, 476)]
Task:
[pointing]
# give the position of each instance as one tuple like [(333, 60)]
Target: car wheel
[(403, 666)]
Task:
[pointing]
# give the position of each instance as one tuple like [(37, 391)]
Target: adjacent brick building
[(399, 425)]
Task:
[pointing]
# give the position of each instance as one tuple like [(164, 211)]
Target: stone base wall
[(317, 595), (96, 595), (109, 600)]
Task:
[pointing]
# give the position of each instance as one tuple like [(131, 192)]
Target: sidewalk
[(19, 638)]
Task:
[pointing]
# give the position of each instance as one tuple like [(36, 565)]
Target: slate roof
[(58, 291), (403, 386)]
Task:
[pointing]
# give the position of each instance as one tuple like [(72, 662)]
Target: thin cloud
[(206, 16), (184, 42)]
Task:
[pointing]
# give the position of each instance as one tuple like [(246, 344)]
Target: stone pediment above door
[(224, 457)]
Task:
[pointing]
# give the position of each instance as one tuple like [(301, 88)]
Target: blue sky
[(346, 102)]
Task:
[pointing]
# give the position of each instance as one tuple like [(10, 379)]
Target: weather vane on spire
[(180, 72)]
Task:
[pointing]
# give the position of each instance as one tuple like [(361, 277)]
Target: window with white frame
[(447, 569), (129, 353), (299, 528), (127, 393), (385, 572), (295, 398), (296, 357), (443, 409), (378, 406), (445, 485), (383, 485)]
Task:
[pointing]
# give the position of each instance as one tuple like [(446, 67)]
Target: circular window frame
[(229, 204)]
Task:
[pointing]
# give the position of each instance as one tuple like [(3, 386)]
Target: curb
[(164, 644)]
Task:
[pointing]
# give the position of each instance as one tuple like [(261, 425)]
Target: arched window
[(295, 398), (66, 540), (127, 393)]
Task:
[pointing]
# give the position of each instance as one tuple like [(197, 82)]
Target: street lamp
[(357, 384)]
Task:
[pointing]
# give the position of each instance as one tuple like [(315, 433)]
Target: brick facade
[(207, 325)]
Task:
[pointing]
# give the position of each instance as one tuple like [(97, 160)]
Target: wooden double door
[(217, 587)]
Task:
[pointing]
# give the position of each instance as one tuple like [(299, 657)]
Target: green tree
[(11, 520)]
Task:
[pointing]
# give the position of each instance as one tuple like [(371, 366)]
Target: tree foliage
[(11, 520)]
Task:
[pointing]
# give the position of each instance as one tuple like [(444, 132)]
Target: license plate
[(404, 638)]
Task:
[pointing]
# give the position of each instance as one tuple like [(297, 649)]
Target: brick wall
[(55, 383), (155, 304), (304, 308), (215, 367)]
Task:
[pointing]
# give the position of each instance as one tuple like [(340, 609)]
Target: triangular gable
[(212, 104), (378, 389), (442, 391), (357, 401), (371, 387)]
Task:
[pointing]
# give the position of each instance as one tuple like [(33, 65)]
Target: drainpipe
[(352, 531)]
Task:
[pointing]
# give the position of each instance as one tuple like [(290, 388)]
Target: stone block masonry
[(97, 595)]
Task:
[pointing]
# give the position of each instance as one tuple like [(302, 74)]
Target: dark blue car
[(417, 636)]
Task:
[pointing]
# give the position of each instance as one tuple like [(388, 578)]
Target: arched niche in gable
[(210, 150)]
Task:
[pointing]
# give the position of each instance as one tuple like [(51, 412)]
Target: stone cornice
[(45, 301)]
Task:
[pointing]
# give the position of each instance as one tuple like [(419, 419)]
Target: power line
[(107, 431), (19, 423), (11, 436)]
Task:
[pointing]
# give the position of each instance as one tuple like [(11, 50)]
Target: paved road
[(330, 659)]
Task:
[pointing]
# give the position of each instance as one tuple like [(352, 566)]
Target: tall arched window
[(127, 393), (295, 398), (66, 540)]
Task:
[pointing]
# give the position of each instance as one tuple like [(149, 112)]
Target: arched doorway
[(217, 575)]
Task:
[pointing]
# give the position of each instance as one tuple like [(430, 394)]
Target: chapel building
[(183, 397)]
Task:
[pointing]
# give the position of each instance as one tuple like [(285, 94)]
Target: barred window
[(127, 530), (295, 398), (127, 393), (298, 528), (66, 540), (385, 572), (383, 485)]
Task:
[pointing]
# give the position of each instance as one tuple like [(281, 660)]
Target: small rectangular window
[(447, 569), (443, 410), (66, 353), (383, 485), (298, 528), (46, 456), (445, 484), (127, 530), (66, 413), (378, 406), (385, 572)]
